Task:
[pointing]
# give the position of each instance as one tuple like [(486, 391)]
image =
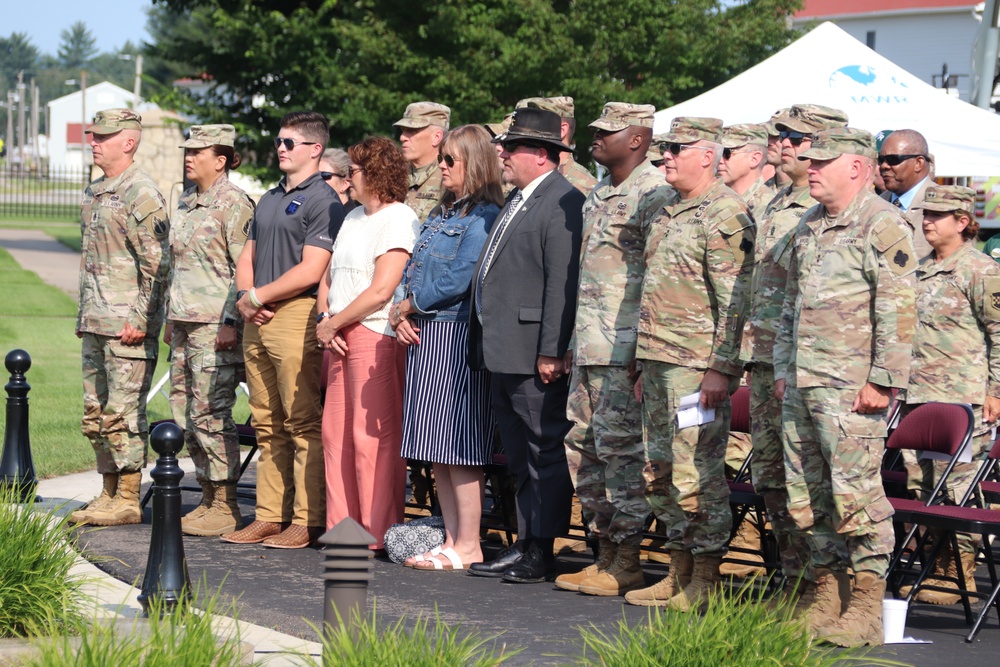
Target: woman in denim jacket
[(447, 418)]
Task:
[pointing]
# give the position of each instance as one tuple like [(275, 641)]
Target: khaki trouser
[(283, 366)]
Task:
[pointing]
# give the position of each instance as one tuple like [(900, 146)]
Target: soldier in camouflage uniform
[(843, 343), (956, 351), (573, 171), (604, 447), (122, 276), (207, 234), (779, 179), (775, 233), (743, 159), (422, 130), (694, 298)]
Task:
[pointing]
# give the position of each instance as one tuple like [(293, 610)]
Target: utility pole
[(137, 89), (83, 125), (10, 129), (34, 128), (20, 118), (986, 52)]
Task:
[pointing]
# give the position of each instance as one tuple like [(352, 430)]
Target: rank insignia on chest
[(701, 209)]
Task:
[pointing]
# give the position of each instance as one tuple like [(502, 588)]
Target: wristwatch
[(322, 316), (230, 322)]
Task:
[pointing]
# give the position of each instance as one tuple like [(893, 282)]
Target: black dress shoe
[(503, 562), (535, 567)]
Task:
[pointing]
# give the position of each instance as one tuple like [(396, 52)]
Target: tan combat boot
[(704, 581), (606, 550), (123, 509), (207, 495), (945, 565), (221, 518), (82, 515), (861, 624), (679, 576), (747, 537), (623, 575), (822, 602)]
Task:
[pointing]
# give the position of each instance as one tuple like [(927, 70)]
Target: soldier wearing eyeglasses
[(905, 166), (422, 129), (695, 292), (775, 234), (277, 276)]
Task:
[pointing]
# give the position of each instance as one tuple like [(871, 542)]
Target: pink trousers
[(362, 432)]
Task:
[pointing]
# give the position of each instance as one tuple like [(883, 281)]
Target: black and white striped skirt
[(447, 415)]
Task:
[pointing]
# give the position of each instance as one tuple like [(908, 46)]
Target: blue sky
[(44, 20)]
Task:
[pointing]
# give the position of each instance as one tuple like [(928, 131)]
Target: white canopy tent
[(827, 66)]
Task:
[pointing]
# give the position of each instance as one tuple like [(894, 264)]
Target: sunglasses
[(675, 148), (657, 163), (512, 146), (727, 153), (896, 160), (449, 160), (794, 138), (327, 175), (290, 144), (354, 170)]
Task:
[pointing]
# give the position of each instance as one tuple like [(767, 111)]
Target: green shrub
[(35, 562), (734, 631), (183, 638), (426, 644)]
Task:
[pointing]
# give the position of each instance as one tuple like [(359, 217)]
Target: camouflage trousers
[(769, 470), (832, 465), (922, 474), (685, 470), (202, 395), (116, 379), (605, 453), (738, 448)]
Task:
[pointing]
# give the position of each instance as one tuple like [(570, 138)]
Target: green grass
[(734, 631), (41, 320), (35, 561)]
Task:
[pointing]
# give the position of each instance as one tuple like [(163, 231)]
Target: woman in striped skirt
[(447, 418)]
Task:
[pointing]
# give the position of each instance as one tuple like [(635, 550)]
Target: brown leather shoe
[(294, 537), (256, 532)]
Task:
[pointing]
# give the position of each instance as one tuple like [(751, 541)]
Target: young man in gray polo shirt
[(291, 239)]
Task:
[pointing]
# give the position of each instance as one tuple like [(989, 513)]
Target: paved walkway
[(52, 261)]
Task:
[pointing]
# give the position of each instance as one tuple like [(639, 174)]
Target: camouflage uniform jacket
[(758, 197), (577, 175), (772, 254), (848, 316), (956, 349), (123, 266), (425, 190), (612, 265), (695, 293), (206, 237)]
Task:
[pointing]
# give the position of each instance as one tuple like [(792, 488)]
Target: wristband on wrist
[(253, 298), (230, 322)]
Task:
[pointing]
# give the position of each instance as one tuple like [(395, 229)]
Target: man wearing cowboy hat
[(524, 297)]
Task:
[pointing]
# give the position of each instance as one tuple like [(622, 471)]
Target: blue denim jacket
[(438, 276)]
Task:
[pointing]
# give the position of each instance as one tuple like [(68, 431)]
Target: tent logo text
[(866, 85)]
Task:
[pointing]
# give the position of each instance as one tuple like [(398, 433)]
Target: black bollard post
[(347, 568), (166, 576), (17, 470)]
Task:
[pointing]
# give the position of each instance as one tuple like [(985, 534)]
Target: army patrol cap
[(689, 129), (499, 128), (203, 136), (655, 152), (831, 144), (735, 136), (772, 130), (616, 116), (562, 105), (950, 198), (810, 118), (424, 114), (110, 121)]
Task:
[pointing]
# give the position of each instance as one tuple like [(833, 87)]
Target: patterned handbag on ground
[(404, 540)]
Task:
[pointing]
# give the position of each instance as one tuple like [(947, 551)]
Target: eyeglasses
[(896, 160), (449, 160), (353, 170), (676, 148), (327, 175), (512, 146), (290, 144), (727, 153), (794, 138)]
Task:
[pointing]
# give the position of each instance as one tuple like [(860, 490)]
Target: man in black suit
[(524, 298)]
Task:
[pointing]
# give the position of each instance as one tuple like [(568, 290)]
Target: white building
[(922, 36), (68, 116)]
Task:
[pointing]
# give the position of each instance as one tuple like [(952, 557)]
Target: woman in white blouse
[(362, 416)]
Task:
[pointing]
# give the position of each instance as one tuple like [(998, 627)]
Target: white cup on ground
[(893, 620)]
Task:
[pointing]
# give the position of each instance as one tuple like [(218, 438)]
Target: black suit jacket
[(529, 294)]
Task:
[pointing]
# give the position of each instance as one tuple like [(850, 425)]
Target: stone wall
[(160, 154)]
